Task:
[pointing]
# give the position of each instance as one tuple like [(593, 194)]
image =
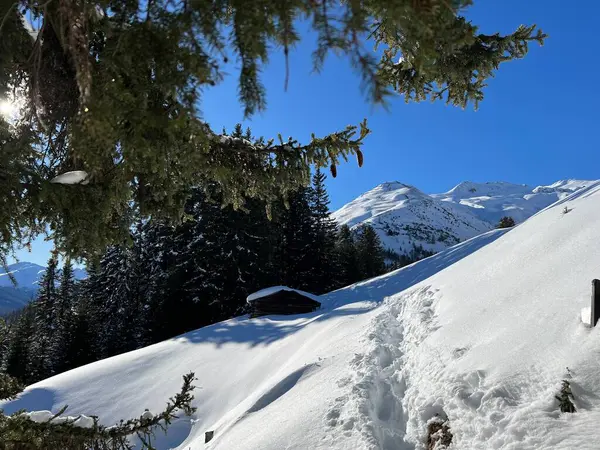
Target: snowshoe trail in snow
[(375, 405)]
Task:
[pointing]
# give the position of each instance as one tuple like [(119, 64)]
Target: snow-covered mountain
[(492, 201), (27, 276), (404, 216), (481, 333)]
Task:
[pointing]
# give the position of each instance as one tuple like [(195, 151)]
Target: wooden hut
[(281, 300)]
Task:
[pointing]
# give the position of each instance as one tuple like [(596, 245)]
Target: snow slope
[(403, 216), (482, 333)]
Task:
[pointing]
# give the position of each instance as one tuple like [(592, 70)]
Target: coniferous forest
[(172, 279)]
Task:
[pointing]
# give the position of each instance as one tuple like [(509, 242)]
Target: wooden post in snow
[(595, 302)]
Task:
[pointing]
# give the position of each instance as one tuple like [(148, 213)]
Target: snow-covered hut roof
[(272, 290)]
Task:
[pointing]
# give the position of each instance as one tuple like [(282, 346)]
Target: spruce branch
[(19, 431), (9, 387), (117, 93)]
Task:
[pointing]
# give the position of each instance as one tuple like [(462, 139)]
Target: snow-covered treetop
[(272, 290)]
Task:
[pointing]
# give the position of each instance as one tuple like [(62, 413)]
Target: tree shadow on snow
[(36, 399), (263, 330)]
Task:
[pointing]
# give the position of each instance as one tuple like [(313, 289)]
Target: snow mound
[(586, 315), (81, 421), (481, 334), (73, 177), (272, 290), (40, 416)]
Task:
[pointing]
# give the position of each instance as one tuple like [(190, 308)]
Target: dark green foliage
[(113, 88), (347, 256), (40, 354), (371, 255), (416, 253), (19, 432), (506, 222), (63, 337), (324, 263), (9, 387), (565, 398), (295, 249), (116, 300), (21, 337)]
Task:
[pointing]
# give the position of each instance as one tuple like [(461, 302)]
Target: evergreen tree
[(45, 306), (86, 345), (371, 254), (347, 256), (19, 356), (294, 250), (178, 308), (244, 257), (112, 88), (154, 252), (4, 343), (324, 264), (115, 304), (64, 321)]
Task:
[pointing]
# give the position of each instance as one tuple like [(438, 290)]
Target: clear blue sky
[(537, 124)]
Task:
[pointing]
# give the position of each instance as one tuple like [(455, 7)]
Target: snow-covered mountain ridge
[(481, 333), (27, 276), (404, 217)]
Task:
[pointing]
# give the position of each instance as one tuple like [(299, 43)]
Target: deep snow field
[(482, 333)]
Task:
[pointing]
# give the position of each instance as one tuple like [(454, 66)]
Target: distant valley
[(27, 276)]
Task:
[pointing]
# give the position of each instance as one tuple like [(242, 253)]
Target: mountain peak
[(404, 216), (391, 186), (489, 189)]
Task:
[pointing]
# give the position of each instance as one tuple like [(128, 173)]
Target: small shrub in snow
[(44, 430), (438, 434), (565, 398), (506, 222)]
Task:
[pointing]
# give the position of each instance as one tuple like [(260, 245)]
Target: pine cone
[(359, 157)]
